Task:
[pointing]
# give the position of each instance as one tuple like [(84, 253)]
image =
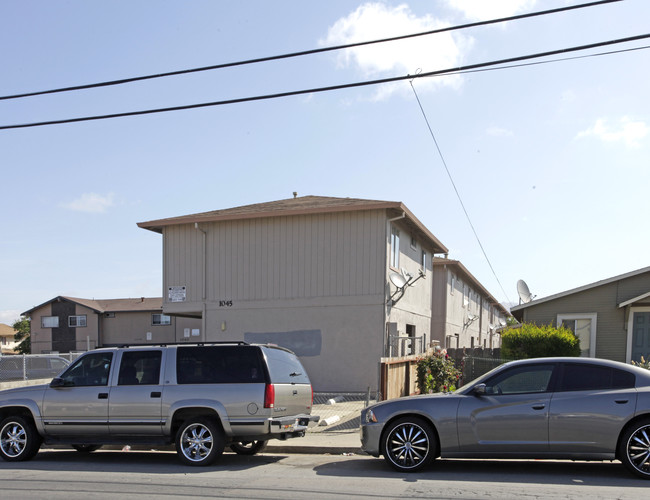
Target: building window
[(77, 321), (394, 248), (49, 321), (466, 292), (423, 261), (584, 327), (414, 243), (161, 319), (453, 284)]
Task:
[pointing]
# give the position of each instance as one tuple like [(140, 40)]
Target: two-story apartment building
[(7, 342), (465, 314), (309, 273), (65, 324)]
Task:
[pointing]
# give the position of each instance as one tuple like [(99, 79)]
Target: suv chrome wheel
[(18, 439), (248, 447), (199, 442), (409, 444)]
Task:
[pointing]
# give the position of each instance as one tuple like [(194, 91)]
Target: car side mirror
[(479, 390), (57, 382)]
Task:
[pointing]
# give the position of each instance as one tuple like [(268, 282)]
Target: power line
[(301, 53), (444, 163), (459, 69)]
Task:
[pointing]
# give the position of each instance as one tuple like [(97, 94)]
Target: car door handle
[(621, 401), (103, 395), (539, 407), (156, 394)]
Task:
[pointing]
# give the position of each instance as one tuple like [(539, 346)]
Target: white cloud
[(481, 10), (625, 130), (373, 21), (495, 131), (91, 203), (9, 316)]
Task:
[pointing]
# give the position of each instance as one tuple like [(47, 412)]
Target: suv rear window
[(219, 365), (285, 368)]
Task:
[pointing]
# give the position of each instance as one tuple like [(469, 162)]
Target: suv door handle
[(621, 401), (103, 395), (155, 394), (539, 407)]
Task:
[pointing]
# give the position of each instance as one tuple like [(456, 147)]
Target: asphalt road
[(57, 474)]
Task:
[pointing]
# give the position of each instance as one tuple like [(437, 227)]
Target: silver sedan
[(556, 408)]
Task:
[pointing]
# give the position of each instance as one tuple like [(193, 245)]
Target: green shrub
[(437, 373), (533, 341)]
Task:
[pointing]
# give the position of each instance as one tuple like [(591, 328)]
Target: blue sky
[(551, 160)]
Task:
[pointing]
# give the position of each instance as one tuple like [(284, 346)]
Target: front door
[(79, 406), (641, 336)]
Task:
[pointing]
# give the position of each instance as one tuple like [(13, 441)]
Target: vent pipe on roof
[(295, 194)]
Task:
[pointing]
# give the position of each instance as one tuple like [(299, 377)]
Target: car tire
[(199, 441), (19, 439), (86, 448), (409, 444), (248, 447), (634, 448)]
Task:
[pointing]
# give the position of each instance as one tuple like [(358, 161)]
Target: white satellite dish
[(502, 322), (471, 316), (406, 274), (524, 293), (397, 280)]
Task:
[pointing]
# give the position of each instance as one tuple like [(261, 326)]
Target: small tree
[(22, 327), (437, 373), (533, 341)]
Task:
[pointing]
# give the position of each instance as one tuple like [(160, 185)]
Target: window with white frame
[(453, 285), (161, 319), (423, 261), (414, 243), (466, 292), (394, 248), (77, 321), (583, 325), (49, 321)]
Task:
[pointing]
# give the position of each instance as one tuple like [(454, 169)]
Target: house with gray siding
[(611, 317), (465, 313), (308, 273), (67, 324)]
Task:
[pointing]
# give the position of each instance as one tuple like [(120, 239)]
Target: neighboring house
[(318, 275), (7, 342), (465, 314), (66, 324), (611, 317)]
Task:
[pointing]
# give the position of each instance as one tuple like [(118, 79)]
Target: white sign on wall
[(176, 293)]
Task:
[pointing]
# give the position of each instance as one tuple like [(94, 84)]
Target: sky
[(550, 160)]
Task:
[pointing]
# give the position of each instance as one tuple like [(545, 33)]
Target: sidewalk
[(319, 443)]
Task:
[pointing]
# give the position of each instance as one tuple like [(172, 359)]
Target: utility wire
[(442, 157), (459, 69), (301, 53)]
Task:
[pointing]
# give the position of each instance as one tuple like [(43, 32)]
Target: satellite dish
[(397, 280), (524, 293), (502, 322), (471, 316), (406, 274)]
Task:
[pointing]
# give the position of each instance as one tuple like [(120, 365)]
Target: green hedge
[(534, 341)]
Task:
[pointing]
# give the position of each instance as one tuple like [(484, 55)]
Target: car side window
[(587, 377), (219, 365), (140, 368), (521, 380), (89, 370)]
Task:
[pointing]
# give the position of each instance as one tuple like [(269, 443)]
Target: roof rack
[(166, 344)]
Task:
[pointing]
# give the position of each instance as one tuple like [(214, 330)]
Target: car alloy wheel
[(409, 445), (199, 442), (636, 455)]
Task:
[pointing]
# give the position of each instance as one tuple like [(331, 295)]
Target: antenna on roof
[(524, 292)]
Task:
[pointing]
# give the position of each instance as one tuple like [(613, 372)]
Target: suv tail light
[(269, 396)]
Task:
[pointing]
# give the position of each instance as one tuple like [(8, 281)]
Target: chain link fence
[(34, 366), (341, 412)]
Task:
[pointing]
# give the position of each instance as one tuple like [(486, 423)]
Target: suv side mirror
[(57, 382), (479, 390)]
